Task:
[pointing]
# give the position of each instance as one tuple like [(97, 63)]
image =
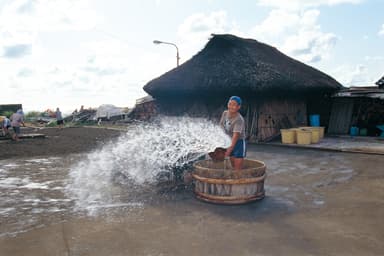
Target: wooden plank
[(276, 114), (25, 136), (229, 181)]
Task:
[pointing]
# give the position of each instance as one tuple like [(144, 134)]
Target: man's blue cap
[(236, 98)]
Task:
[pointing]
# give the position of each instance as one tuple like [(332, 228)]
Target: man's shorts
[(240, 150), (16, 129), (59, 122)]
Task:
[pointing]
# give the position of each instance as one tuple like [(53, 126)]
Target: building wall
[(341, 116), (265, 118), (144, 111), (361, 112)]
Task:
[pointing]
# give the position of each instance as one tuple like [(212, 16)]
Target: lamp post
[(177, 49)]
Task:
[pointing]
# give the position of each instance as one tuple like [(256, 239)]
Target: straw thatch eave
[(380, 82), (232, 65)]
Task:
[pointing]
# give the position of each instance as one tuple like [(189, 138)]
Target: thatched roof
[(380, 83), (233, 65)]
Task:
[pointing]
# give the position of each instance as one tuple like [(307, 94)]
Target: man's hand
[(228, 151), (235, 137)]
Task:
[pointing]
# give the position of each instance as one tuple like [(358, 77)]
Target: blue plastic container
[(354, 131), (314, 120)]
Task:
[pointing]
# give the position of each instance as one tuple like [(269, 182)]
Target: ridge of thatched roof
[(230, 64)]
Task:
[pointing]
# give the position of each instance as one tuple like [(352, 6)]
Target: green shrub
[(33, 114), (51, 124), (7, 113)]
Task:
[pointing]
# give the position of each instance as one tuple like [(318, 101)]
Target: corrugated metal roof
[(144, 99)]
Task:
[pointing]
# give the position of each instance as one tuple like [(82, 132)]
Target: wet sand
[(317, 203), (58, 142)]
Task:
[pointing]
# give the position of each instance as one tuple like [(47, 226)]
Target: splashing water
[(145, 151)]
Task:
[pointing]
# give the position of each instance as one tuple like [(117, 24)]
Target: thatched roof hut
[(229, 65)]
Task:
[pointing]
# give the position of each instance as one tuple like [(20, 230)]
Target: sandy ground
[(317, 203), (58, 142)]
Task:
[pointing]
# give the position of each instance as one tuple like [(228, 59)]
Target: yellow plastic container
[(322, 128), (315, 134), (287, 136), (304, 136), (295, 133)]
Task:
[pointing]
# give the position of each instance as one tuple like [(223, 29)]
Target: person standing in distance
[(233, 124), (17, 120), (59, 118)]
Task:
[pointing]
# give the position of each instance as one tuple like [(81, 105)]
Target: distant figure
[(59, 118), (74, 114), (233, 124), (6, 125), (17, 120)]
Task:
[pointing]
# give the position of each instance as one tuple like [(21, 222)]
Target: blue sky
[(56, 53)]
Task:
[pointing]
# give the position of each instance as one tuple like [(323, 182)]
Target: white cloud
[(304, 4), (309, 46), (48, 15), (67, 87), (25, 72), (196, 30), (354, 75), (21, 21), (297, 34), (200, 23), (374, 58), (381, 32), (279, 22)]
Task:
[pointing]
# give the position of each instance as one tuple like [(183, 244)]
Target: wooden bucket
[(217, 182)]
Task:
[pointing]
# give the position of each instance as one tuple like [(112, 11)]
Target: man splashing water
[(233, 124)]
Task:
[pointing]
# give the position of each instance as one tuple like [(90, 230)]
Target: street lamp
[(177, 49)]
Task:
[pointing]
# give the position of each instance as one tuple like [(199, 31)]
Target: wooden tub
[(217, 182)]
